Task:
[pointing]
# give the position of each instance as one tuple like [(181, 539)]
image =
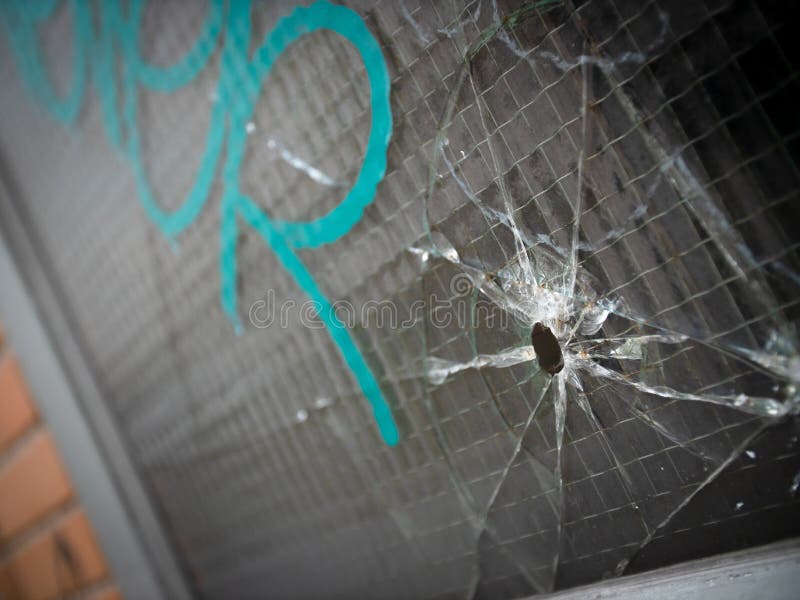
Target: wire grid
[(258, 450)]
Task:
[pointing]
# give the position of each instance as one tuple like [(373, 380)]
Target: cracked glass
[(618, 176)]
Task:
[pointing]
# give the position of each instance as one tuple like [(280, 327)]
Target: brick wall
[(47, 547)]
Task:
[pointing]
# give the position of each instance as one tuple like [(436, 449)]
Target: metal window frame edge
[(114, 498)]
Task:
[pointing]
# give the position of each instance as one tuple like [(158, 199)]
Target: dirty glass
[(307, 253)]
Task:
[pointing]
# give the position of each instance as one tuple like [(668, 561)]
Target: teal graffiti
[(238, 88)]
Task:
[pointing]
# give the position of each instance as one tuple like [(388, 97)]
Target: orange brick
[(110, 593), (60, 561), (31, 485), (8, 588), (17, 412)]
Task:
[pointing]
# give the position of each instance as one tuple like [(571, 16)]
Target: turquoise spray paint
[(238, 89)]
